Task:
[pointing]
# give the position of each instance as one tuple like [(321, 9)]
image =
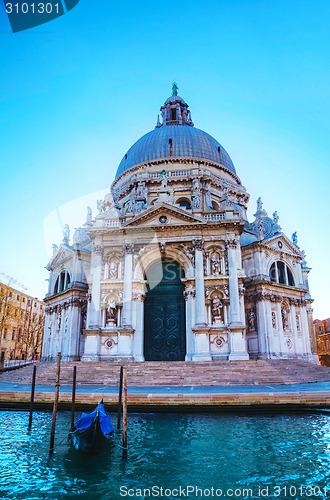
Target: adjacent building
[(172, 269), (322, 336), (22, 319)]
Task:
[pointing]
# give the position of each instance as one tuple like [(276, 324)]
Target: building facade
[(22, 324), (322, 336), (171, 269)]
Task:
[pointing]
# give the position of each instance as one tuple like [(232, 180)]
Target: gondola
[(92, 431)]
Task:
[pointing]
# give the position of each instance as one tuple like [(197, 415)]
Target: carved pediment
[(164, 214), (283, 244), (62, 255)]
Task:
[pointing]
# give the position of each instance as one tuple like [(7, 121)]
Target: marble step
[(259, 372)]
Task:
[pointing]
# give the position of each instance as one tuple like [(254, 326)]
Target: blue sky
[(77, 92)]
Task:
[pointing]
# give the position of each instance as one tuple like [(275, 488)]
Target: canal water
[(215, 456)]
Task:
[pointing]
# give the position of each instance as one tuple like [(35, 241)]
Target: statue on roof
[(175, 89), (259, 204), (295, 238), (66, 234)]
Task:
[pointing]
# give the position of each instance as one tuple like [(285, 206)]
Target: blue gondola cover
[(87, 418)]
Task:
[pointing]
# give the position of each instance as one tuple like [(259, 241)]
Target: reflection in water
[(223, 451)]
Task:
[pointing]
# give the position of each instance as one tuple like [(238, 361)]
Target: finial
[(175, 89), (158, 124)]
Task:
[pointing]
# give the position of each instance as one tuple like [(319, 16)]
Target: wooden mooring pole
[(125, 413), (32, 395), (57, 390), (120, 397), (73, 395)]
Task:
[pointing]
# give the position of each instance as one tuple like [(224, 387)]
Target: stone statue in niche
[(285, 319), (197, 202), (297, 322), (274, 319), (216, 309), (111, 315), (113, 269), (252, 320), (129, 207), (215, 264), (163, 177), (141, 190), (208, 199), (59, 320)]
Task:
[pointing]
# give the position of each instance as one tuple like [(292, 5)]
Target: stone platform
[(177, 374), (187, 386)]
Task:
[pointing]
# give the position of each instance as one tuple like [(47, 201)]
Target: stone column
[(270, 329), (74, 327), (280, 329), (305, 332), (262, 330), (202, 344), (138, 325), (96, 268), (199, 285), (297, 350), (128, 287), (234, 307), (190, 338)]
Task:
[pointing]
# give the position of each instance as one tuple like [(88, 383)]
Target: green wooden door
[(164, 314)]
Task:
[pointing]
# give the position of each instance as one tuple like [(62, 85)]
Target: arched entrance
[(164, 313)]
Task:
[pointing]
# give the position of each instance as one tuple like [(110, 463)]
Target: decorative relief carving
[(289, 343), (251, 319), (274, 319), (231, 243), (198, 244), (189, 292), (109, 343), (98, 249), (129, 248)]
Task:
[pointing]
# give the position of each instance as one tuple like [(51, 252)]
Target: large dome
[(175, 137), (175, 141)]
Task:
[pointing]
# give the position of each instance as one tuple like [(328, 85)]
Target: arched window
[(280, 273), (184, 203), (62, 282)]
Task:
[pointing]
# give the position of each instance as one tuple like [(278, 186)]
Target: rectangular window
[(5, 334), (17, 296), (23, 299), (29, 302), (13, 334)]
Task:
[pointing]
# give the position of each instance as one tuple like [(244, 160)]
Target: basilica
[(171, 269)]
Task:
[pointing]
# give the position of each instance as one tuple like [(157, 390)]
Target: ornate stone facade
[(241, 287)]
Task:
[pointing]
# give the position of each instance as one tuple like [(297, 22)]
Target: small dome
[(175, 141), (174, 98)]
